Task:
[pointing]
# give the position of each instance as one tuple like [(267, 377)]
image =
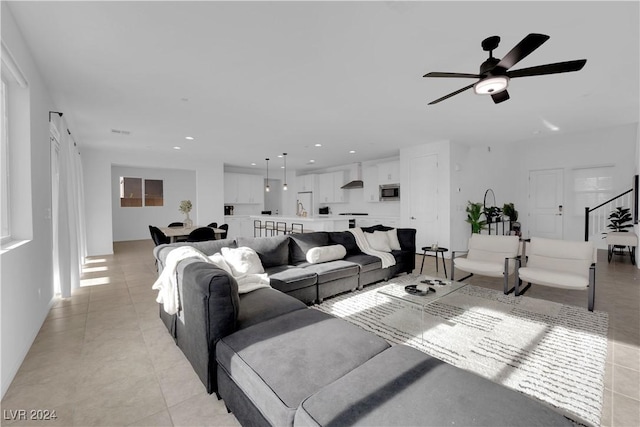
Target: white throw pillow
[(378, 240), (394, 243), (242, 260), (326, 253)]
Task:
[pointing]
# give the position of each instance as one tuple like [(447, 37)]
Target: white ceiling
[(250, 80)]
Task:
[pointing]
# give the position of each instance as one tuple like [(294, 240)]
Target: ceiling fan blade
[(527, 45), (558, 67), (500, 96), (460, 75), (451, 94)]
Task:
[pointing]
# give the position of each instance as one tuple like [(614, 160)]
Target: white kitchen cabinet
[(230, 188), (325, 188), (243, 188), (371, 188), (329, 190), (389, 173), (306, 183), (339, 195), (240, 226)]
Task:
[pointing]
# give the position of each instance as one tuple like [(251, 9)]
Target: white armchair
[(493, 256), (560, 264)]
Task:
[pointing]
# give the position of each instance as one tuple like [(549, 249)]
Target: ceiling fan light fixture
[(491, 85)]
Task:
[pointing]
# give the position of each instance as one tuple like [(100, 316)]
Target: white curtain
[(68, 220)]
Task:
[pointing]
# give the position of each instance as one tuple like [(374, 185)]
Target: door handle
[(413, 217)]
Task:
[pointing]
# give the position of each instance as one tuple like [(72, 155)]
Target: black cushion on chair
[(224, 227), (213, 225), (159, 238), (176, 224), (201, 234)]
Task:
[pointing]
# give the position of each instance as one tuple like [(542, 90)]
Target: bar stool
[(296, 228), (257, 228), (281, 227), (269, 226)]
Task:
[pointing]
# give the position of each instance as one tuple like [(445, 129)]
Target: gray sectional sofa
[(275, 361)]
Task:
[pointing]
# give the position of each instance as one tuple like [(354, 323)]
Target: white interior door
[(546, 203), (423, 198)]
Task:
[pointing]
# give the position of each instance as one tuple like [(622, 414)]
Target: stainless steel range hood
[(357, 182)]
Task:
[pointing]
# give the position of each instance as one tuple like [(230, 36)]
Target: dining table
[(175, 233)]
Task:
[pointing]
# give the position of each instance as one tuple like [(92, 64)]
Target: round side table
[(438, 250)]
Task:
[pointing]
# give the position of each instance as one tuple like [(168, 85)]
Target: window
[(153, 192), (16, 221), (132, 189), (4, 158), (591, 187)]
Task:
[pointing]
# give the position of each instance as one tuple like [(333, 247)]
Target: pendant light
[(284, 187), (267, 189)]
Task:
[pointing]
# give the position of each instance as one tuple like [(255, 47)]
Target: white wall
[(474, 170), (467, 172), (26, 285), (207, 203), (612, 146), (132, 223)]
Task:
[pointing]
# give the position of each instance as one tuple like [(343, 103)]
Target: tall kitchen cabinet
[(306, 183), (329, 190), (371, 187), (242, 188), (389, 173)]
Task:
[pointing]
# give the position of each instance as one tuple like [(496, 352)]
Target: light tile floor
[(103, 357)]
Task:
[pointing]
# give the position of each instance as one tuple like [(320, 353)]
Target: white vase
[(188, 223)]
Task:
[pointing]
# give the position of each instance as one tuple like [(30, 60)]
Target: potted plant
[(474, 213), (492, 214), (185, 208), (620, 220)]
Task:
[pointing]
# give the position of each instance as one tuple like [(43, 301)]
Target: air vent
[(120, 132)]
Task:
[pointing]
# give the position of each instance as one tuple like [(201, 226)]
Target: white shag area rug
[(551, 351)]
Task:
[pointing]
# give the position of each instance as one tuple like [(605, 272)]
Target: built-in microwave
[(389, 192)]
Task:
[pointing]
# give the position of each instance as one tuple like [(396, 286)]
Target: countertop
[(316, 218)]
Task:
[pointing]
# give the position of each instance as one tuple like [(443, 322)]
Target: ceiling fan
[(494, 75)]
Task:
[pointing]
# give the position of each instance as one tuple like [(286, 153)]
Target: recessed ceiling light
[(312, 161), (253, 164), (281, 167), (280, 155), (318, 145), (190, 138), (352, 152), (177, 148)]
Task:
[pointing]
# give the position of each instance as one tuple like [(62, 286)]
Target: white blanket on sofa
[(167, 282), (387, 259)]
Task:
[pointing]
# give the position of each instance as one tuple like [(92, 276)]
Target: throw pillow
[(378, 240), (242, 260), (325, 253), (394, 243)]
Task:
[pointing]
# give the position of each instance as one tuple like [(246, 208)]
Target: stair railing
[(603, 209)]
